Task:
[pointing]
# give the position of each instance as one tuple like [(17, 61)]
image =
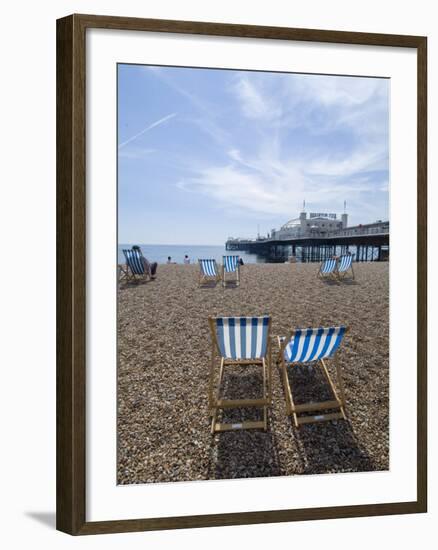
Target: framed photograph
[(241, 274)]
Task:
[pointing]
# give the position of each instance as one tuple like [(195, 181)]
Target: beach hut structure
[(230, 265), (239, 341), (312, 347), (208, 271)]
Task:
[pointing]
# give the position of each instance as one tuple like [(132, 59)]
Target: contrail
[(156, 123)]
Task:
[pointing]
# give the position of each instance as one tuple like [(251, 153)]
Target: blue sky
[(206, 154)]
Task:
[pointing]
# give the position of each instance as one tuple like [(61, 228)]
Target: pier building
[(318, 236)]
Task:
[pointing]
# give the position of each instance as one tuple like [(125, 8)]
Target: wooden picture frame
[(71, 273)]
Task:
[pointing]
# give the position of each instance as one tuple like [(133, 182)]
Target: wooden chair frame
[(205, 279), (123, 272), (215, 403), (343, 275), (337, 404), (236, 279), (331, 274), (130, 276)]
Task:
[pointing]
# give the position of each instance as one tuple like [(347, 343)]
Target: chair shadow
[(212, 284), (243, 454), (330, 447), (45, 518), (231, 284), (239, 454), (134, 284), (330, 282), (349, 282), (325, 447)]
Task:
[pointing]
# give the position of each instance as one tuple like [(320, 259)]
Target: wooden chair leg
[(289, 399), (341, 386), (332, 386), (290, 405), (211, 384), (286, 387), (265, 393), (213, 422), (336, 403), (216, 397), (268, 378), (219, 403)]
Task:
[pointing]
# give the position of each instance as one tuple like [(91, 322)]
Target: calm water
[(160, 252)]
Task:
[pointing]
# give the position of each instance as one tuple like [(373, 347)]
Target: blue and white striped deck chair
[(239, 341), (208, 271), (230, 264), (345, 263), (327, 269), (136, 267), (312, 346)]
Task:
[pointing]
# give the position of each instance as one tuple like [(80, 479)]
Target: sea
[(160, 252)]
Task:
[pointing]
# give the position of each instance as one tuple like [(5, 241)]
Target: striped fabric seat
[(242, 337), (134, 261), (328, 266), (230, 263), (313, 344), (208, 267), (345, 263)]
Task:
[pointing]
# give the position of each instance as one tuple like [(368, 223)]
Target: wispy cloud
[(318, 138), (255, 103), (255, 145), (265, 192), (205, 112), (136, 153), (149, 127)]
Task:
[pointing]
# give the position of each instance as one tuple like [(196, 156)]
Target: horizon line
[(166, 244)]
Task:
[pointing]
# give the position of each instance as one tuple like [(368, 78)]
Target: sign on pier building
[(322, 215)]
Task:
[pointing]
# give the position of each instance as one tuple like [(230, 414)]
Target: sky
[(205, 154)]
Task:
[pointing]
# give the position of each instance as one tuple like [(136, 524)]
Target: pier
[(369, 242)]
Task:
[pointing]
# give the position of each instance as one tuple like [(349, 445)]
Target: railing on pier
[(367, 243)]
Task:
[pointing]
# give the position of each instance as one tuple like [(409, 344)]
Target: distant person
[(169, 259), (186, 259), (241, 261), (150, 268)]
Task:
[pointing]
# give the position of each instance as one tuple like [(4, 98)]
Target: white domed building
[(317, 224)]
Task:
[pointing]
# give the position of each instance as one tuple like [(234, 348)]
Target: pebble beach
[(164, 348)]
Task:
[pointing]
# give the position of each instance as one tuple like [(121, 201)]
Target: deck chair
[(327, 269), (239, 341), (136, 269), (123, 272), (230, 264), (345, 263), (208, 271), (313, 346)]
